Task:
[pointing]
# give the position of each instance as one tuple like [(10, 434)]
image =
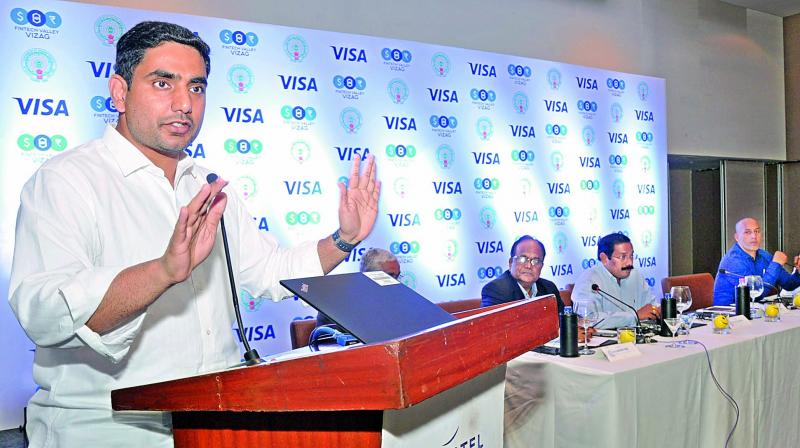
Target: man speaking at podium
[(119, 276)]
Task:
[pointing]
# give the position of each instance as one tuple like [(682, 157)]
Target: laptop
[(372, 306)]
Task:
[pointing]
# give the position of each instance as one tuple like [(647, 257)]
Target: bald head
[(748, 235)]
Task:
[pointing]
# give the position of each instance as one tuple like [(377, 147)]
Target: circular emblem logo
[(643, 90), (484, 128), (295, 48), (560, 242), (240, 78), (398, 91), (300, 151), (520, 103), (557, 160), (587, 135), (350, 119), (441, 64), (616, 112), (38, 64), (445, 156), (554, 79), (108, 29), (488, 217)]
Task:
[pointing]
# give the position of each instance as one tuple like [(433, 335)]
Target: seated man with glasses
[(521, 280), (373, 260), (615, 274)]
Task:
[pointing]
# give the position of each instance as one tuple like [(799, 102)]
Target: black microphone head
[(211, 178), (595, 287)]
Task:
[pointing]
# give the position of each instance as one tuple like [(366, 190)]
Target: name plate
[(620, 351), (739, 321)]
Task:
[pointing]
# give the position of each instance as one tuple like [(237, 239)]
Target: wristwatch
[(343, 245)]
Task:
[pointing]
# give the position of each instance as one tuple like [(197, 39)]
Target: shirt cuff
[(115, 344)]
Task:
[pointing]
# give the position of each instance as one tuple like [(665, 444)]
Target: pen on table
[(597, 323)]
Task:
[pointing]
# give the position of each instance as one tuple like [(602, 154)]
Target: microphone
[(596, 288), (250, 354), (726, 272)]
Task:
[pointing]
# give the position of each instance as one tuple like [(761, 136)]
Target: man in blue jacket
[(746, 257)]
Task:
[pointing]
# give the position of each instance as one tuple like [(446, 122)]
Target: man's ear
[(603, 258), (118, 88)]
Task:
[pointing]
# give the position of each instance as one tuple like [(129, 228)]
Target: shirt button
[(208, 332)]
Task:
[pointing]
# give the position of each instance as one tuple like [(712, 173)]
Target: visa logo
[(243, 115), (198, 151), (555, 106), (646, 188), (618, 137), (349, 54), (302, 187), (101, 69), (400, 123), (590, 241), (347, 152), (586, 83), (257, 333), (558, 187), (355, 254), (448, 187), (403, 219), (589, 162), (644, 115), (561, 269), (443, 95), (620, 213), (518, 130), (647, 262), (39, 106), (482, 69), (526, 216), (448, 280), (298, 83), (262, 223), (486, 158), (489, 247)]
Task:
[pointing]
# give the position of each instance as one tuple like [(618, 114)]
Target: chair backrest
[(300, 330), (566, 296), (701, 286)]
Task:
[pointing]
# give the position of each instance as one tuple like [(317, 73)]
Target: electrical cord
[(327, 333), (724, 393)]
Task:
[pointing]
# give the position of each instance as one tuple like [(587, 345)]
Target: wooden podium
[(343, 398)]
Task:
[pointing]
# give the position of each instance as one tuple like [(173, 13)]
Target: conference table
[(666, 397)]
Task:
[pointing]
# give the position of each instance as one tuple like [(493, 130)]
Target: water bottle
[(743, 299), (669, 309), (568, 336)]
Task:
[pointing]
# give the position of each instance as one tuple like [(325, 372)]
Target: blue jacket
[(740, 263)]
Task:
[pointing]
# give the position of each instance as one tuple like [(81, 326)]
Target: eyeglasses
[(625, 257), (523, 259)]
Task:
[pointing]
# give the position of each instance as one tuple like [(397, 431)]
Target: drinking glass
[(673, 323), (683, 301), (756, 285), (587, 316)]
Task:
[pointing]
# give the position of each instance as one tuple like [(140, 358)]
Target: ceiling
[(780, 8)]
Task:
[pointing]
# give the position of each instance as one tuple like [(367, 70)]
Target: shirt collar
[(129, 159)]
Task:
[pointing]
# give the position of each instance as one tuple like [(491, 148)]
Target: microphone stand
[(639, 335)]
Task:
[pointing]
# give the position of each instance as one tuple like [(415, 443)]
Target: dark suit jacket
[(505, 289)]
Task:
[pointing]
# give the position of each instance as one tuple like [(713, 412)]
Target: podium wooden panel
[(338, 398)]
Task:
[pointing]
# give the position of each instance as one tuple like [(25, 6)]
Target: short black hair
[(146, 35), (607, 243), (526, 238)]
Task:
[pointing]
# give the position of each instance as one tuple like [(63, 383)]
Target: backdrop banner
[(474, 149)]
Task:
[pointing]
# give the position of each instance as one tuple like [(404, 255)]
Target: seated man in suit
[(522, 279), (372, 260), (746, 257)]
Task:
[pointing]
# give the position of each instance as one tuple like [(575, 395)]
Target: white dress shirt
[(85, 216), (633, 290)]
